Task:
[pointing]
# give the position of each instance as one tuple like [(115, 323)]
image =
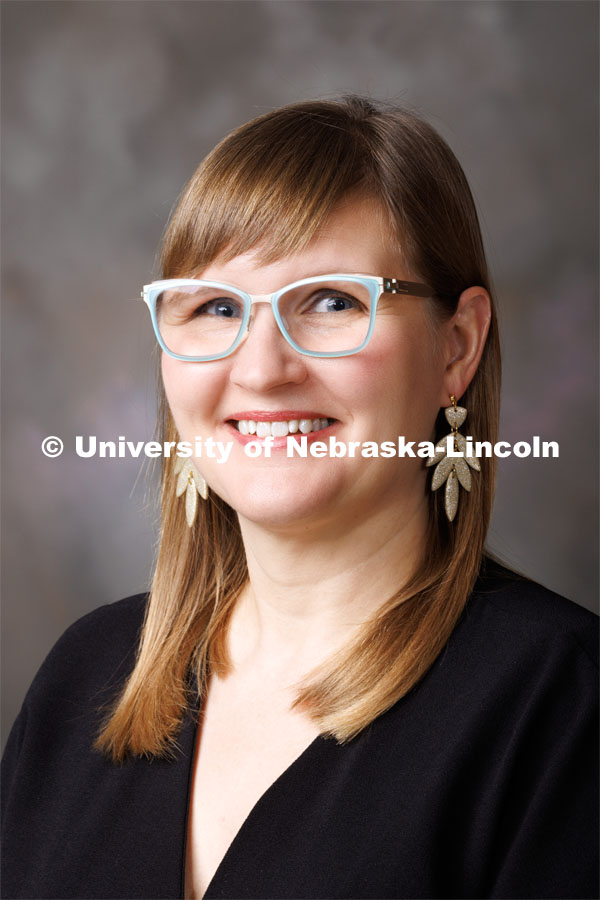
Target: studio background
[(107, 108)]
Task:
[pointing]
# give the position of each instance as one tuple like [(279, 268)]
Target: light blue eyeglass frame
[(375, 284)]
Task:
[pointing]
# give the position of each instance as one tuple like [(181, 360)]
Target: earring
[(192, 482), (452, 469)]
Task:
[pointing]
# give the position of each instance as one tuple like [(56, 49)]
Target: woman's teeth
[(280, 429)]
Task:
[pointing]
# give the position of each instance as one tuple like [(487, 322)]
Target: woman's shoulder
[(96, 651), (74, 687), (528, 613), (517, 682), (511, 590), (513, 597)]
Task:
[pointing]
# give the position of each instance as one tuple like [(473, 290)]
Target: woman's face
[(393, 387)]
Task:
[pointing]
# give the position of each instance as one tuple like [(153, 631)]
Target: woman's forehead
[(354, 237)]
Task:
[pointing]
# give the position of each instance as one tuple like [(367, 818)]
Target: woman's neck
[(309, 592)]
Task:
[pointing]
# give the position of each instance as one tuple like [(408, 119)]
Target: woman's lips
[(279, 426)]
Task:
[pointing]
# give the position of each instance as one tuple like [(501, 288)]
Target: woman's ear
[(466, 333)]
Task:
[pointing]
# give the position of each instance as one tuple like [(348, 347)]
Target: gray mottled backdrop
[(108, 107)]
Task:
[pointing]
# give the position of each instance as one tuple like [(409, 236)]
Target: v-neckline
[(253, 812)]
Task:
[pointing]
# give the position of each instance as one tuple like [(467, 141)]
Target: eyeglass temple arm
[(414, 288), (390, 286)]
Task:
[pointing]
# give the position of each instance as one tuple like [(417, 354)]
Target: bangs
[(268, 185)]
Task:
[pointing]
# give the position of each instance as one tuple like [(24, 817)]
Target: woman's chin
[(282, 503)]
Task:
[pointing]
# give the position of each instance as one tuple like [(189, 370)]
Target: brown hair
[(269, 185)]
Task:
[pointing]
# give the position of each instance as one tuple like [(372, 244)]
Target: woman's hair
[(268, 186)]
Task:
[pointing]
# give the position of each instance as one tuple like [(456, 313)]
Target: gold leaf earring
[(192, 482), (453, 470)]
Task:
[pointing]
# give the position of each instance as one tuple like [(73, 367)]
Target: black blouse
[(480, 783)]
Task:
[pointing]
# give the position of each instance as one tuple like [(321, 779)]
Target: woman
[(329, 692)]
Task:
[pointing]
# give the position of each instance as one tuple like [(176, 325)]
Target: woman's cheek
[(189, 388)]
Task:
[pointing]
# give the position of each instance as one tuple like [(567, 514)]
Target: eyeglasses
[(328, 315)]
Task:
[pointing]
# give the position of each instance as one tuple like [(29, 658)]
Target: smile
[(280, 428)]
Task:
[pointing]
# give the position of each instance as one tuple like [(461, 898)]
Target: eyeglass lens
[(320, 317)]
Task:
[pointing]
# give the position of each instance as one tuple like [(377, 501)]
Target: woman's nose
[(265, 360)]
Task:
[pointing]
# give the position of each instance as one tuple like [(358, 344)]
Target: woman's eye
[(332, 303), (222, 307)]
